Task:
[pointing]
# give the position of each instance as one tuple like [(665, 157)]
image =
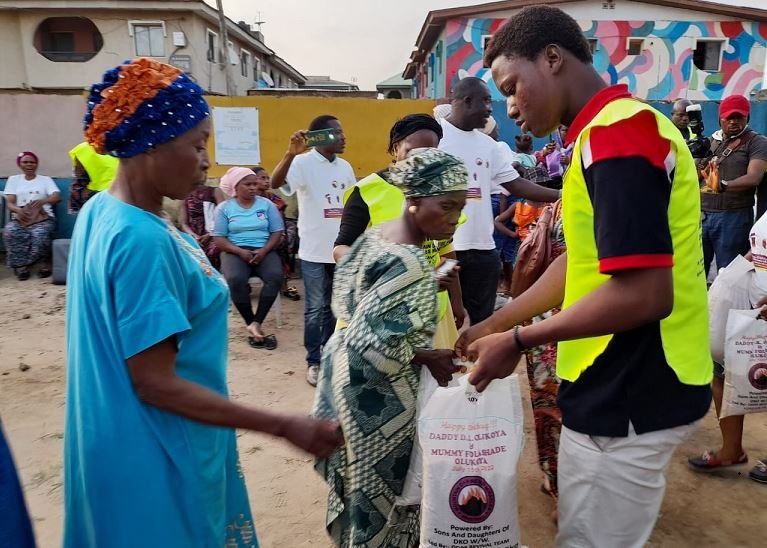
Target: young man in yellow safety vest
[(633, 350)]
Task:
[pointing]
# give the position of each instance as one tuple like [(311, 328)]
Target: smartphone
[(320, 138), (445, 268)]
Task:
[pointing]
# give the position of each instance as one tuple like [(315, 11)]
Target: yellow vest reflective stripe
[(684, 332), (385, 203)]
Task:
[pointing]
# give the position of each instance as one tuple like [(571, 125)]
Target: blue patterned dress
[(387, 295)]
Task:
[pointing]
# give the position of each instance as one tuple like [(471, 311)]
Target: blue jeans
[(725, 235), (480, 271), (319, 322)]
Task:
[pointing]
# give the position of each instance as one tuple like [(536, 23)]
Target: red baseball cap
[(734, 104)]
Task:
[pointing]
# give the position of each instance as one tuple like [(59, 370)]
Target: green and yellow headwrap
[(429, 172)]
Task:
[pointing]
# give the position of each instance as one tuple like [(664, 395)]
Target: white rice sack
[(745, 375), (471, 445), (413, 487)]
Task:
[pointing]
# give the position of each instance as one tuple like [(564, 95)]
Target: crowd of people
[(402, 272)]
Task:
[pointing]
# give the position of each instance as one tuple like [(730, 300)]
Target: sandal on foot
[(292, 294), (711, 461), (547, 490), (44, 273), (759, 472), (22, 274), (269, 342)]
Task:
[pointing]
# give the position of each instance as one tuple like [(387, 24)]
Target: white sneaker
[(312, 374)]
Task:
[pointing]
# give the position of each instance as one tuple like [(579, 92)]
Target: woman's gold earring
[(412, 209)]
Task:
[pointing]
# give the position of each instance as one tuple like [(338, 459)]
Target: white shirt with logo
[(39, 188), (319, 186), (489, 165)]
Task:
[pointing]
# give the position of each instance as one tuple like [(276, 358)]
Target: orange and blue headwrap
[(139, 105)]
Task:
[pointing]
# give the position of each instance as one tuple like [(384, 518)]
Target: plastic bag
[(729, 291), (471, 445), (412, 489), (745, 375)]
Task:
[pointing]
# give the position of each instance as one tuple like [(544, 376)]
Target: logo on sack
[(757, 376), (472, 500), (472, 396)]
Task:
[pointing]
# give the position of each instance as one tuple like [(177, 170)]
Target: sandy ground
[(288, 498)]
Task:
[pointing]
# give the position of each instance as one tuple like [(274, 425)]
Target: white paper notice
[(236, 136)]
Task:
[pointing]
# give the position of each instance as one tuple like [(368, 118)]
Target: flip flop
[(269, 342), (546, 490), (292, 294), (709, 460)]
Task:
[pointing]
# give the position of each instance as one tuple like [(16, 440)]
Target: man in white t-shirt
[(489, 166), (319, 178)]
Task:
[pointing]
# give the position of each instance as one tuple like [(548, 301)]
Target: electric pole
[(224, 47)]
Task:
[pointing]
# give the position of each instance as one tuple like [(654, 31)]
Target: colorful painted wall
[(663, 71), (430, 79)]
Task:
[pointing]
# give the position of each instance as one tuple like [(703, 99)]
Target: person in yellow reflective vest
[(633, 351), (92, 173), (681, 119), (373, 201)]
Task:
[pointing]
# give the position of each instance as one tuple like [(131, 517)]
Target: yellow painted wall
[(366, 123)]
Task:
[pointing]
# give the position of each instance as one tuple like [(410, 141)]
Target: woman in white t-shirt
[(30, 198)]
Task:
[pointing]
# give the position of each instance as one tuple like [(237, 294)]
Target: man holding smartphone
[(319, 178)]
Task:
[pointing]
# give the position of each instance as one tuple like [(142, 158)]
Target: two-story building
[(65, 45), (663, 49)]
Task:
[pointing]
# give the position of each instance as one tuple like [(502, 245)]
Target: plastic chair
[(255, 281)]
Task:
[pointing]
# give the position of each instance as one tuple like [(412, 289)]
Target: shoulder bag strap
[(732, 146)]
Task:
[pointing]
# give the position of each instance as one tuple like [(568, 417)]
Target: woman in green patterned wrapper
[(386, 293)]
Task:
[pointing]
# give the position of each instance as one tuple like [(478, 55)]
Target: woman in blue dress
[(15, 527), (150, 449)]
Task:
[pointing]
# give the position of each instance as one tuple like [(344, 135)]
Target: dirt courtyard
[(287, 496)]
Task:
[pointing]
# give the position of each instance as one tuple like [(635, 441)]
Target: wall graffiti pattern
[(664, 70)]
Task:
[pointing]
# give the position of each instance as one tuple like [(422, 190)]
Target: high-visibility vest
[(684, 332), (101, 168)]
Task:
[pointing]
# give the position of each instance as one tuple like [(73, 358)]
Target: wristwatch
[(722, 185)]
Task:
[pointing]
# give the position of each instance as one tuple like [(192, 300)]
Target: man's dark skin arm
[(526, 189)]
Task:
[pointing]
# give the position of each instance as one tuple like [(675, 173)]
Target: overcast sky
[(366, 40)]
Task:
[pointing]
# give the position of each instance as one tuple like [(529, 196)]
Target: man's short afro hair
[(527, 34)]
